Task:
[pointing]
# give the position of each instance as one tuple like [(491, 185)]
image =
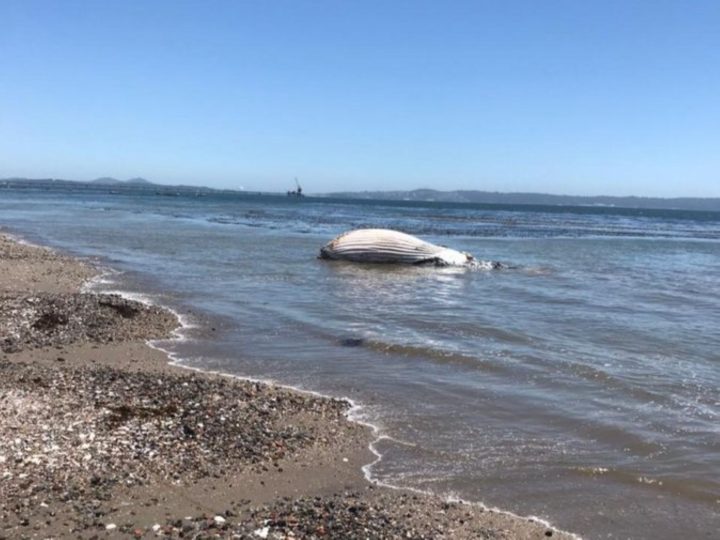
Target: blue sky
[(568, 97)]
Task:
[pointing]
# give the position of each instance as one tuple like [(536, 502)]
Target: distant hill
[(106, 184), (105, 181), (544, 199), (109, 181)]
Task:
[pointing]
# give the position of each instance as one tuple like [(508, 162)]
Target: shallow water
[(581, 386)]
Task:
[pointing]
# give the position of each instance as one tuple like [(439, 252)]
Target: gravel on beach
[(75, 433), (48, 319), (32, 269), (353, 515), (72, 435)]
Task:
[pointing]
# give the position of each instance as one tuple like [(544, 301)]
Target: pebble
[(262, 533)]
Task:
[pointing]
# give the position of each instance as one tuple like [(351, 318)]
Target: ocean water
[(581, 386)]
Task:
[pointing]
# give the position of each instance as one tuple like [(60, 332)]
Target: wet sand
[(103, 437)]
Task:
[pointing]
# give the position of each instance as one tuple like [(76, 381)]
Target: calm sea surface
[(582, 386)]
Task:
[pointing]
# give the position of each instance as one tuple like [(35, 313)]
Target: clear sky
[(576, 97)]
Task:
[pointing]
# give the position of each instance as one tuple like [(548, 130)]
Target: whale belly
[(388, 246)]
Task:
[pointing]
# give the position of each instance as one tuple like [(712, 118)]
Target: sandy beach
[(101, 436)]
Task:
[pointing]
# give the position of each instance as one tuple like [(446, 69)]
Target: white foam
[(448, 497), (22, 241), (101, 279), (100, 283)]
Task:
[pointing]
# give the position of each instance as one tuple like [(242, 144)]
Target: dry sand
[(100, 436)]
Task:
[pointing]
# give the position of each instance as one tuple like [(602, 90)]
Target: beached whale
[(388, 246)]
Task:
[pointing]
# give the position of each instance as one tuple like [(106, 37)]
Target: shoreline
[(328, 470)]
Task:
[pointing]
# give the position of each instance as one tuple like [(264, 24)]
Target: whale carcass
[(388, 246)]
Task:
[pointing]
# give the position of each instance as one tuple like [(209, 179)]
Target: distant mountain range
[(418, 195), (544, 199), (105, 184), (109, 181)]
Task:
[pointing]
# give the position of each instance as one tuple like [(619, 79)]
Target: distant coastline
[(710, 204), (542, 199)]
